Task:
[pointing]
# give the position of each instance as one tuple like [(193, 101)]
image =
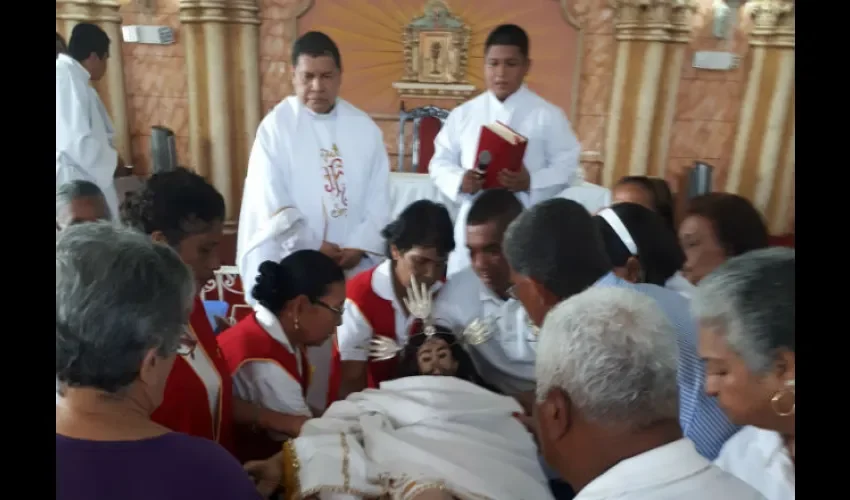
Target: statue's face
[(435, 357)]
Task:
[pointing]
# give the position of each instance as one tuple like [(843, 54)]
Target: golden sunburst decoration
[(369, 34)]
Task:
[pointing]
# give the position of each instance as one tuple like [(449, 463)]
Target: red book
[(506, 147)]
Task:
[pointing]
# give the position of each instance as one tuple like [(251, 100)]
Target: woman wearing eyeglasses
[(299, 305), (122, 304)]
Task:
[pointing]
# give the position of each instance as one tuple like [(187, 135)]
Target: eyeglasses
[(511, 291), (338, 310), (187, 345)]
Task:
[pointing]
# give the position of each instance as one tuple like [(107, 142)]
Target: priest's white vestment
[(313, 178), (84, 132), (551, 157), (427, 430), (325, 177)]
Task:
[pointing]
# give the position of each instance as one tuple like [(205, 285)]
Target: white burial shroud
[(428, 428)]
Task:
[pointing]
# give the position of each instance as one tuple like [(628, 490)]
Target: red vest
[(380, 314), (185, 406), (248, 341)]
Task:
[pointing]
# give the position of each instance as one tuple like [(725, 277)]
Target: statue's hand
[(419, 299), (382, 348), (476, 332)]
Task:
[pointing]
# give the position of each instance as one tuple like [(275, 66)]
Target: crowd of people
[(527, 349)]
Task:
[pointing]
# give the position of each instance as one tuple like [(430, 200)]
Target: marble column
[(651, 37), (762, 167), (222, 57), (111, 87)]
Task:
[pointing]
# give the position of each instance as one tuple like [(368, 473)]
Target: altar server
[(181, 209), (84, 133), (552, 154), (318, 165), (301, 300), (419, 242)]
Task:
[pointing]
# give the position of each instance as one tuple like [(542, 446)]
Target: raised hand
[(419, 299), (476, 332), (382, 348)]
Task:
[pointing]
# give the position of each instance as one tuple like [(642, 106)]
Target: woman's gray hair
[(751, 300), (118, 295), (614, 353), (70, 191)]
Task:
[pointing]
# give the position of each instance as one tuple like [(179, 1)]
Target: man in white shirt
[(506, 359), (552, 154), (84, 132), (318, 175), (607, 393)]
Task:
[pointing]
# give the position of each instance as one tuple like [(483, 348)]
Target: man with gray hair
[(608, 404), (555, 251), (79, 201)]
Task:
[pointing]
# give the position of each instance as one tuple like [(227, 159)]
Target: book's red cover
[(503, 154)]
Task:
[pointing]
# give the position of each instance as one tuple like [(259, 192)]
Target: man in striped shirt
[(555, 252)]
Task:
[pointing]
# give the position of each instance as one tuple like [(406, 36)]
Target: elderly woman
[(716, 227), (747, 337), (122, 304), (79, 201), (607, 393)]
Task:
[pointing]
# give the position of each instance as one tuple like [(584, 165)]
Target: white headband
[(619, 228)]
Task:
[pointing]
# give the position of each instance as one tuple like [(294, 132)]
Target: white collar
[(268, 320), (382, 282), (769, 445), (511, 101), (320, 116), (662, 465), (487, 295), (75, 66)]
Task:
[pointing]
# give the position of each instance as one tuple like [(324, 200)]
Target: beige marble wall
[(704, 119), (157, 90)]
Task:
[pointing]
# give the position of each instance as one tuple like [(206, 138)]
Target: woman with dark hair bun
[(419, 242), (300, 303), (639, 244)]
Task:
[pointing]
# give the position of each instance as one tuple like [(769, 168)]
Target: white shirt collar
[(320, 116), (268, 320), (382, 283), (511, 101), (770, 446), (656, 467), (75, 65)]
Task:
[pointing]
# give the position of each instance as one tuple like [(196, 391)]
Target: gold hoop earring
[(776, 400)]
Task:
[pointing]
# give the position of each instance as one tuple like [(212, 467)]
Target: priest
[(552, 154), (84, 132), (318, 174)]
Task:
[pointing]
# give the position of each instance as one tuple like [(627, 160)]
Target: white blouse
[(759, 458)]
